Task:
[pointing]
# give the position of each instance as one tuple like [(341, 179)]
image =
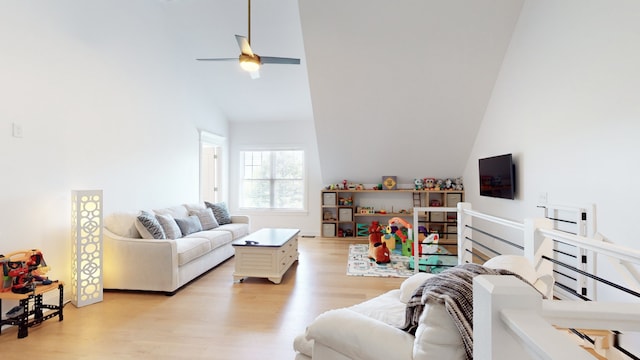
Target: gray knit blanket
[(453, 288)]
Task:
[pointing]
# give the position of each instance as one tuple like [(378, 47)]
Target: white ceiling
[(282, 91), (380, 79), (403, 80)]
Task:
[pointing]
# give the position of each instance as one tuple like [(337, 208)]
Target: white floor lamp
[(86, 247)]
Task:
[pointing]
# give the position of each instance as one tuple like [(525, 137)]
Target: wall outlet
[(16, 130)]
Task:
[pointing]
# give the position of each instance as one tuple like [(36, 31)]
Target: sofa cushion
[(148, 226), (206, 217), (191, 248), (122, 224), (216, 238), (386, 308), (237, 230), (220, 212), (437, 336), (170, 226), (195, 206), (189, 225), (411, 283), (178, 211)]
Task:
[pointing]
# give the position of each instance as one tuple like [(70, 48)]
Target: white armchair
[(371, 330)]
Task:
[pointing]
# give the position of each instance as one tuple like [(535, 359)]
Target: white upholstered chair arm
[(360, 337)]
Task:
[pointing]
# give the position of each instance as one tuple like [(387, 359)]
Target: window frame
[(272, 149)]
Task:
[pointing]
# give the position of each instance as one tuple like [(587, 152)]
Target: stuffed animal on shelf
[(458, 184), (375, 237), (418, 183), (382, 253), (448, 184), (429, 183)]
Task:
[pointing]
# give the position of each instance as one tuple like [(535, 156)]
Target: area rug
[(359, 263)]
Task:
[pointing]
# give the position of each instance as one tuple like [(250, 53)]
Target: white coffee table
[(266, 253)]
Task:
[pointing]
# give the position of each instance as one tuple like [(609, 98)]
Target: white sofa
[(371, 330), (132, 262)]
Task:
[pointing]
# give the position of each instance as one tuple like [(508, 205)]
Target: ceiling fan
[(249, 60)]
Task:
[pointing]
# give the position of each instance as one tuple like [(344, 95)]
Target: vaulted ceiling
[(381, 80), (406, 80)]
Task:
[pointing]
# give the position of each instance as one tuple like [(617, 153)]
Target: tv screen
[(497, 176)]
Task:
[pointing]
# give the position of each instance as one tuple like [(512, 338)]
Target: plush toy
[(458, 184), (439, 184), (448, 184), (389, 240), (382, 253), (375, 237), (429, 183), (418, 184)]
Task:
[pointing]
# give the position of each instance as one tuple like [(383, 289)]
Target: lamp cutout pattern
[(86, 247)]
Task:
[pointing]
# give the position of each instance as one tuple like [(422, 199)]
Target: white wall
[(566, 105), (299, 134), (105, 101)]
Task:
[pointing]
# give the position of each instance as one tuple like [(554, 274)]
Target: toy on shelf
[(345, 201), (362, 229), (365, 210), (458, 184), (429, 183), (418, 184), (448, 184)]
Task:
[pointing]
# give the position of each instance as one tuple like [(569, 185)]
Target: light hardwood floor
[(211, 318)]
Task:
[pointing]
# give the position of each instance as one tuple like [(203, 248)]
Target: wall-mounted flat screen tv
[(497, 176)]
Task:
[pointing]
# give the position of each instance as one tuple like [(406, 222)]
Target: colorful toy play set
[(384, 240)]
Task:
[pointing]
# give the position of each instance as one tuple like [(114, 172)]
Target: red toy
[(23, 267), (382, 252), (375, 237)]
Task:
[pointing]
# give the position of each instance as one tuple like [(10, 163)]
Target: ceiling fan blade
[(279, 60), (255, 74), (243, 43), (219, 59)]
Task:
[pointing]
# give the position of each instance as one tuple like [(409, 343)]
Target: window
[(273, 180)]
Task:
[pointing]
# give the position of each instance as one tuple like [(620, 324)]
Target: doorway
[(212, 167)]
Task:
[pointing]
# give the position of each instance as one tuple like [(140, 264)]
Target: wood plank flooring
[(211, 318)]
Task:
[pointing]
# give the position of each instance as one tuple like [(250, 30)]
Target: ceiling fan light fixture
[(249, 63)]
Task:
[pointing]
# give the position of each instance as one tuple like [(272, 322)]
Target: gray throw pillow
[(148, 226), (220, 212), (207, 220), (189, 225), (170, 226)]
